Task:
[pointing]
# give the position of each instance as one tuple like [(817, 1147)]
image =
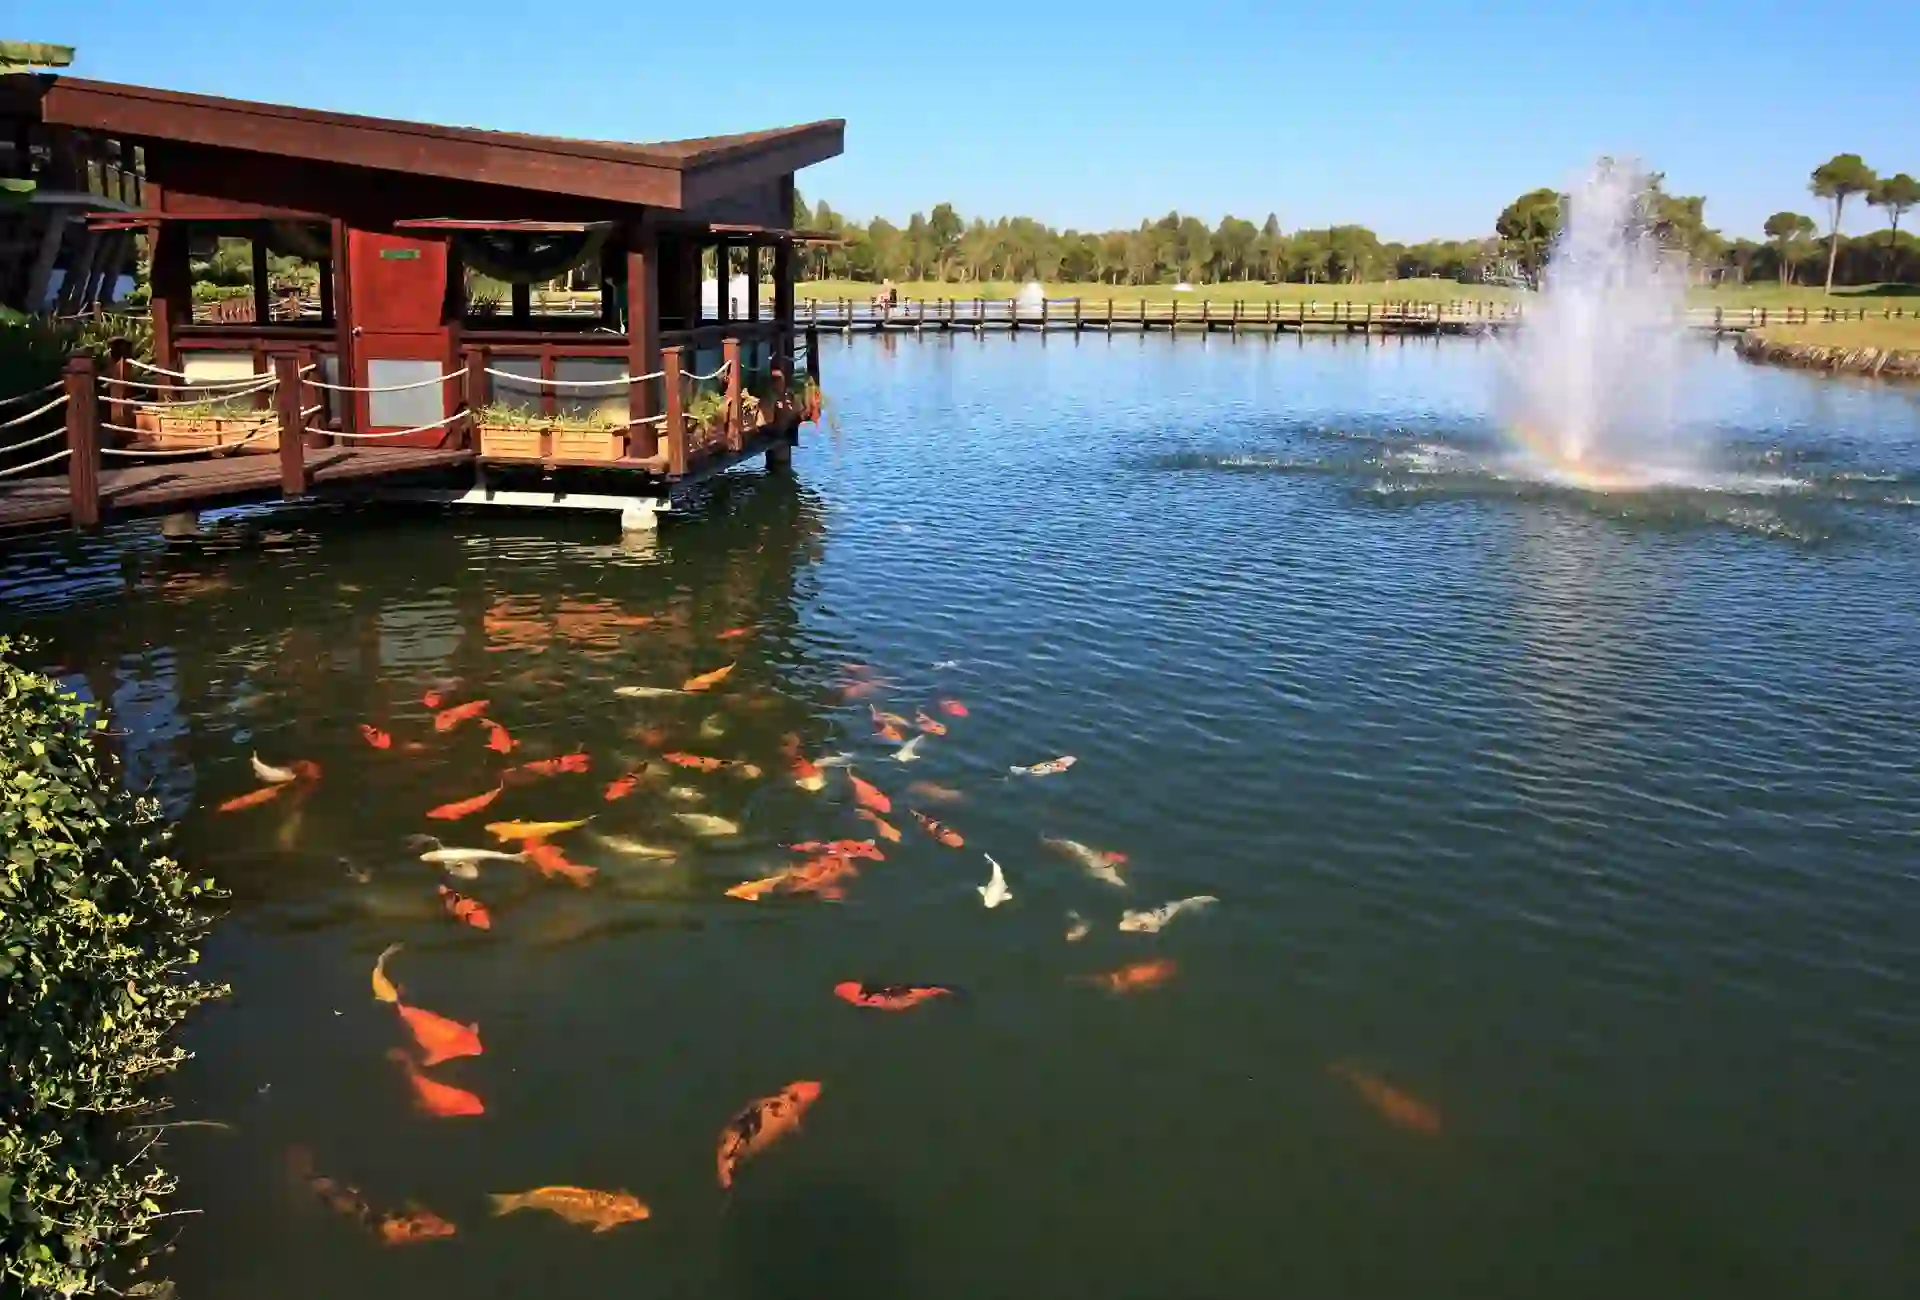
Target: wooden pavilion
[(426, 330)]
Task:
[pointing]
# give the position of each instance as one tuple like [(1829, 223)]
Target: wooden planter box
[(551, 441), (181, 433)]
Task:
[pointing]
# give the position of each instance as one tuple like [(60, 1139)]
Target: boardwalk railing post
[(813, 355), (1078, 325), (475, 398), (83, 443), (730, 357), (293, 428), (676, 425), (119, 411)]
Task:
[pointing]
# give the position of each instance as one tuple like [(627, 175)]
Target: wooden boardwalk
[(155, 488)]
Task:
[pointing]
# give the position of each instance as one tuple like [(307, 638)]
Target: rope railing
[(536, 380), (48, 436), (224, 386), (688, 374), (388, 388), (225, 395), (31, 393), (401, 433), (36, 464), (38, 410), (215, 449)]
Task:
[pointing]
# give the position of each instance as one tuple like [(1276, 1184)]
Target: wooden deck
[(180, 485)]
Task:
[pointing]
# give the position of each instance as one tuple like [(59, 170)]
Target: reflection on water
[(1563, 843)]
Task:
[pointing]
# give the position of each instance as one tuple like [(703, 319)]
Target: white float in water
[(1595, 370)]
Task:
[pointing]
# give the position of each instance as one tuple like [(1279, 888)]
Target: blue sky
[(1417, 118)]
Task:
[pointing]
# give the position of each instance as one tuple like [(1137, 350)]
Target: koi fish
[(704, 824), (621, 787), (448, 719), (266, 794), (822, 876), (384, 989), (463, 864), (467, 910), (505, 831), (499, 740), (1152, 922), (761, 1123), (651, 737), (441, 1100), (706, 681), (1135, 977), (341, 1198), (440, 1039), (931, 726), (375, 737), (953, 708), (946, 663), (845, 848), (834, 760), (555, 766), (734, 634), (1049, 768), (433, 699), (859, 690), (889, 997), (995, 891), (869, 795), (552, 862), (945, 834), (634, 848), (603, 1210), (273, 775), (413, 1222), (713, 726), (909, 752), (448, 812), (685, 794), (933, 793), (1077, 927), (632, 620), (744, 770), (694, 762), (646, 692), (886, 719), (1102, 866), (807, 775), (888, 831), (1395, 1106), (753, 891)]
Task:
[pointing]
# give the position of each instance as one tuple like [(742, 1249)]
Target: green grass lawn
[(1901, 334), (1872, 297)]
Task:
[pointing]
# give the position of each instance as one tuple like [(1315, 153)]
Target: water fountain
[(1594, 372)]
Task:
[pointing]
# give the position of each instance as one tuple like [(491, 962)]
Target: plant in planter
[(804, 397), (226, 424), (521, 433), (707, 414)]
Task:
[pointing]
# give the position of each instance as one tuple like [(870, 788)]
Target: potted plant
[(707, 416), (515, 432), (224, 424)]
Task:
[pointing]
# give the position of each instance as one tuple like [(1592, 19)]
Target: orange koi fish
[(695, 762), (413, 1222), (869, 795), (734, 634), (448, 719), (603, 1211), (384, 989), (552, 862), (1395, 1106), (448, 812), (933, 793), (376, 737), (945, 834), (651, 737), (932, 726), (468, 910), (433, 699), (845, 848), (499, 740), (266, 794), (859, 690), (888, 831), (305, 769), (441, 1100), (706, 681), (822, 876), (1134, 977), (621, 787), (555, 766), (761, 1123), (889, 997), (885, 719), (953, 708), (753, 891), (440, 1039)]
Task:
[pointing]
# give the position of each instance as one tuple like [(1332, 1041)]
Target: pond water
[(1588, 824)]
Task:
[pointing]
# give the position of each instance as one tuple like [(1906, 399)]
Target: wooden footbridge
[(1459, 316)]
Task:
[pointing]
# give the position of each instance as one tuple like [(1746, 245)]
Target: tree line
[(942, 246)]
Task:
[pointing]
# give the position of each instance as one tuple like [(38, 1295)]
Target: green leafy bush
[(97, 935)]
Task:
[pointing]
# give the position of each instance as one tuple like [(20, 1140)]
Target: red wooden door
[(401, 340)]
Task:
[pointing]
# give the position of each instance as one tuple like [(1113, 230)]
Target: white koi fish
[(273, 775), (1151, 922), (685, 794), (995, 891), (909, 752), (646, 692), (633, 848), (462, 864), (1077, 927), (834, 760), (1102, 866), (1048, 768), (706, 824)]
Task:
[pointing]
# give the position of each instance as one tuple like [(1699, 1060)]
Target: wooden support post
[(349, 416), (676, 425), (119, 409), (478, 359), (1078, 324), (813, 355), (172, 280), (262, 299), (293, 428), (83, 443), (643, 339), (722, 282), (753, 281), (730, 357)]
